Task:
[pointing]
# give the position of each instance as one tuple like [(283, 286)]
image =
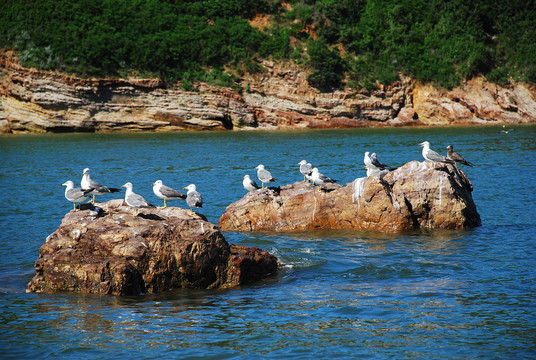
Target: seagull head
[(260, 167), (315, 170), (190, 187), (449, 147), (86, 171), (69, 184), (425, 144), (303, 162), (127, 185), (158, 183), (246, 176)]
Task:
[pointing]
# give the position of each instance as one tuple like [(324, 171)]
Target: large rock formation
[(277, 97), (108, 250), (416, 195)]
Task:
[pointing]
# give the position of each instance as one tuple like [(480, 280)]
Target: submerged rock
[(108, 250), (416, 195)]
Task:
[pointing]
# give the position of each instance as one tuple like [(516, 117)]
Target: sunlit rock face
[(111, 250), (418, 195), (279, 97)]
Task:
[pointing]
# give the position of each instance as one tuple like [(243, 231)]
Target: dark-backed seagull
[(249, 184), (97, 189), (320, 178), (166, 193), (456, 157)]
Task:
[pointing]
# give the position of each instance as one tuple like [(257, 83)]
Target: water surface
[(346, 294)]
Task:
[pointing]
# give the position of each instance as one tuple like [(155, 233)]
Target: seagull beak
[(64, 184), (123, 186), (184, 188), (153, 184)]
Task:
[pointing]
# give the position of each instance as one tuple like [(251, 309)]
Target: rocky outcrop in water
[(279, 97), (418, 195), (107, 250)]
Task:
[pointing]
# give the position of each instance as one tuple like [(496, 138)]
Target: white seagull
[(431, 155), (320, 178), (264, 175), (193, 198), (96, 188), (306, 169), (75, 195), (249, 184), (134, 200), (166, 193)]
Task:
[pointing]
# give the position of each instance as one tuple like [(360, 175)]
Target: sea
[(423, 294)]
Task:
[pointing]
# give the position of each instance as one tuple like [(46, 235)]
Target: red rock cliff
[(278, 97)]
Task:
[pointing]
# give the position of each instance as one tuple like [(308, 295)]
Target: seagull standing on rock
[(456, 157), (96, 188), (306, 169), (371, 169), (320, 178), (166, 193), (431, 155), (264, 175), (193, 198), (75, 195), (249, 184), (134, 200)]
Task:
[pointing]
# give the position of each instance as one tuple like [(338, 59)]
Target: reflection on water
[(339, 294)]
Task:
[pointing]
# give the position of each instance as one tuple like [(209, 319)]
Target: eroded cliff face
[(278, 97)]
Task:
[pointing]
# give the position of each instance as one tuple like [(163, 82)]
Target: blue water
[(423, 294)]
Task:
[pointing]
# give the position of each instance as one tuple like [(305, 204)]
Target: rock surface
[(113, 252), (416, 195), (277, 98)]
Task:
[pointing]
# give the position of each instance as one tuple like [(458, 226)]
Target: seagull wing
[(171, 193)]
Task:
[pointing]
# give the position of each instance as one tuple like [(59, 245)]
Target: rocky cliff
[(107, 250), (414, 196), (277, 97)]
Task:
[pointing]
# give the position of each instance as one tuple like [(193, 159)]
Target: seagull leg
[(165, 204), (74, 206)]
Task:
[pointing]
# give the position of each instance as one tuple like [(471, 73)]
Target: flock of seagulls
[(89, 188), (372, 164)]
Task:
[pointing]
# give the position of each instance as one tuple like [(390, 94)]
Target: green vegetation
[(344, 42)]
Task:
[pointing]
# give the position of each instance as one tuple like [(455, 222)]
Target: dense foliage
[(353, 42)]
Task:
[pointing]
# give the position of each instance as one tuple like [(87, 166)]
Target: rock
[(110, 251), (416, 195)]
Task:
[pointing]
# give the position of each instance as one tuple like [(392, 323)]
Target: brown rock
[(416, 195), (115, 253)]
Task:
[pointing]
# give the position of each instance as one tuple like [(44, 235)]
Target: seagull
[(456, 157), (369, 165), (96, 188), (249, 184), (76, 195), (134, 200), (166, 193), (431, 155), (379, 165), (319, 178), (193, 198), (306, 169), (264, 175)]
